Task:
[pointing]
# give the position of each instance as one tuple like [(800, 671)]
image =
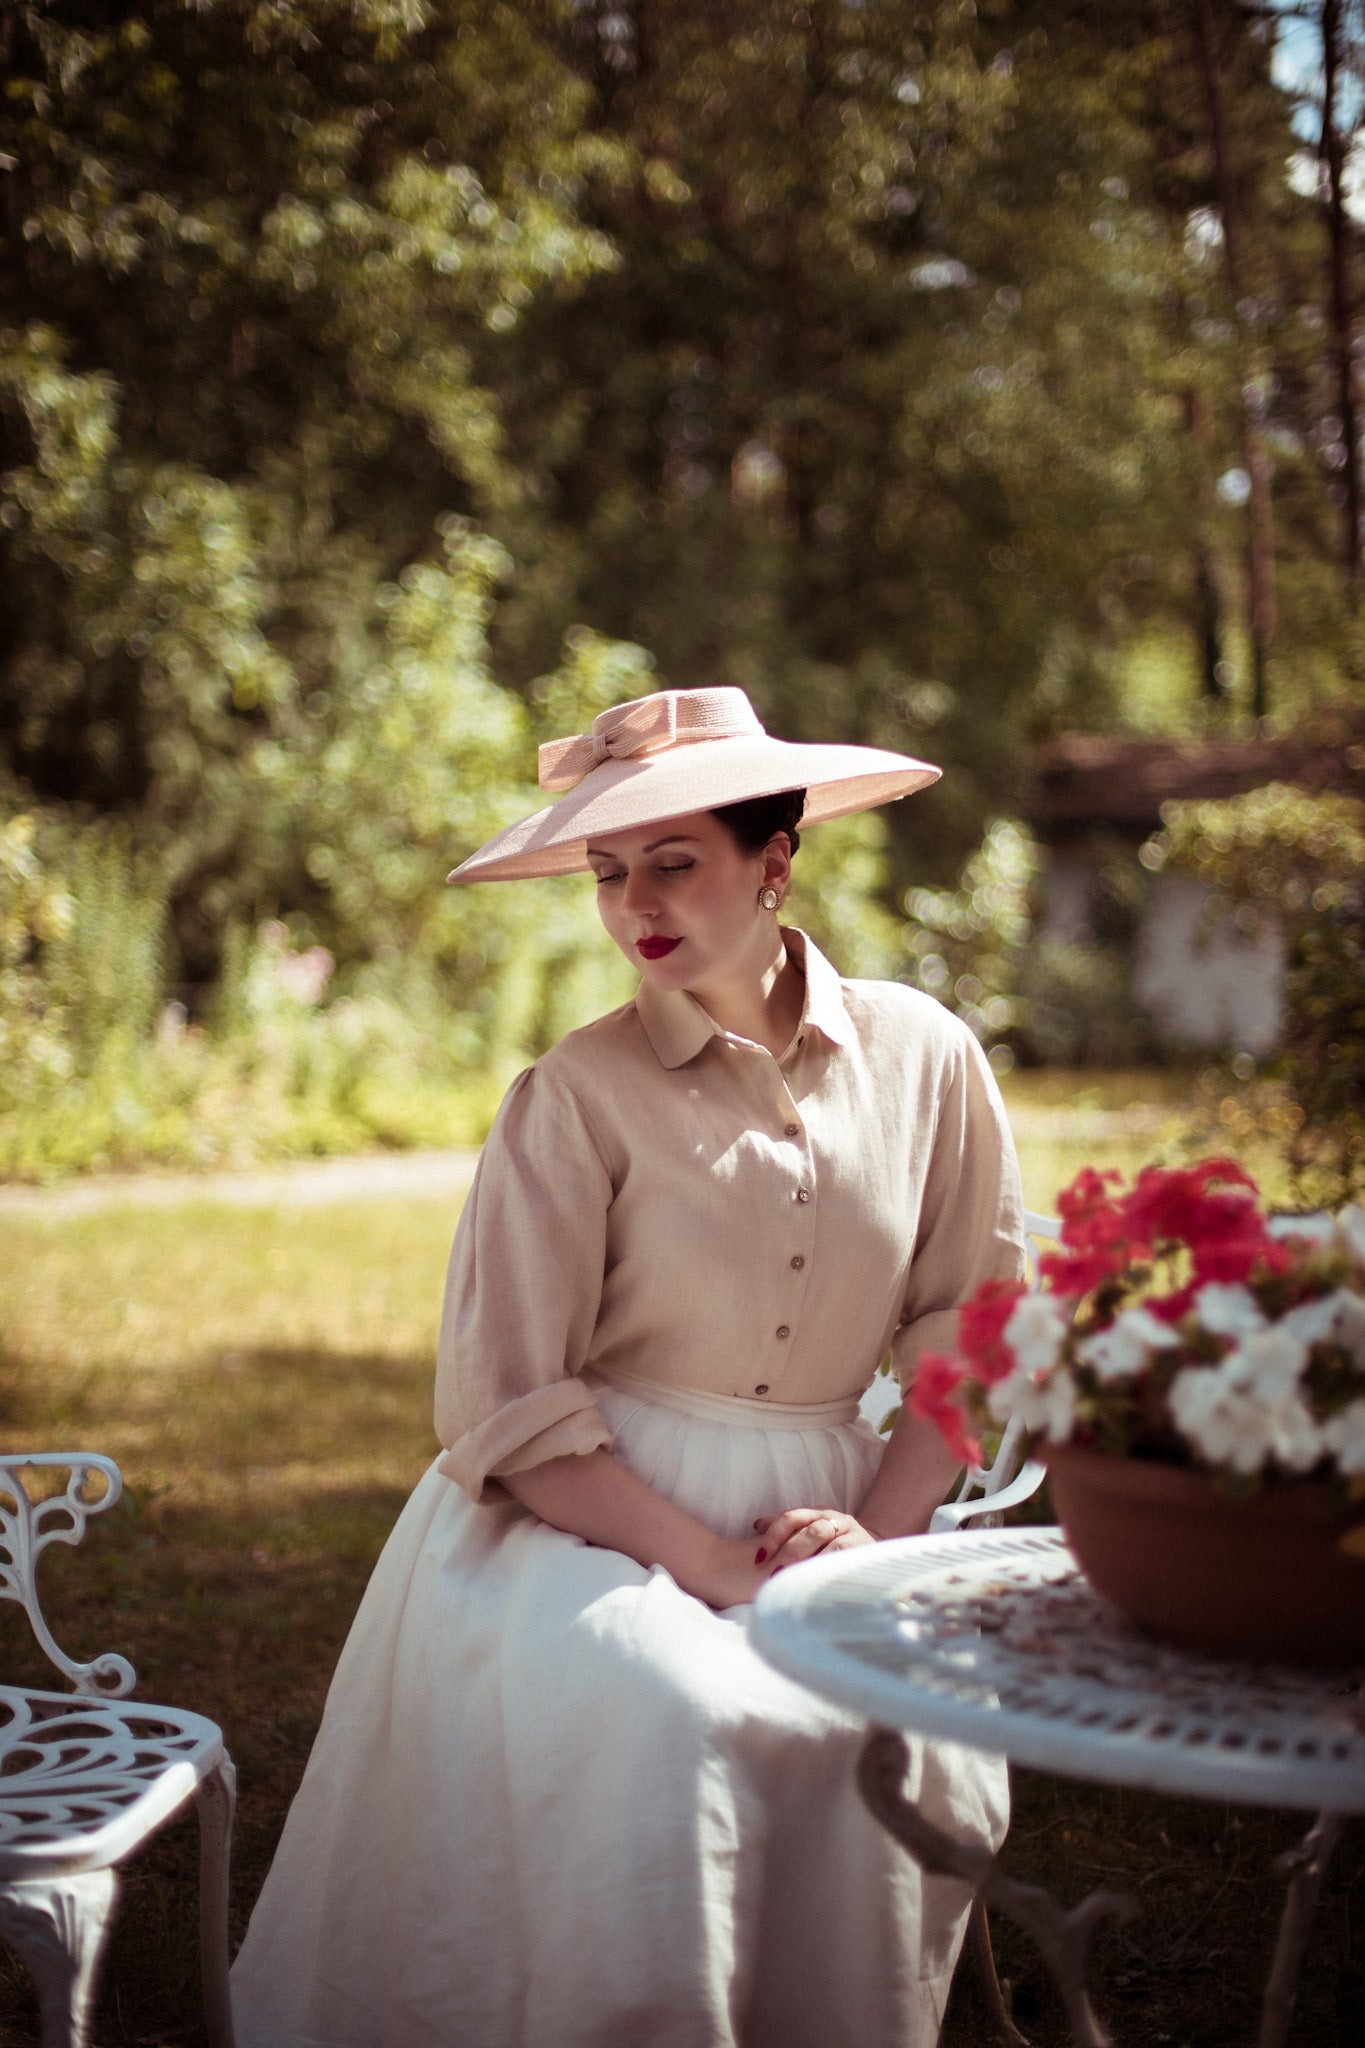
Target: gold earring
[(769, 898)]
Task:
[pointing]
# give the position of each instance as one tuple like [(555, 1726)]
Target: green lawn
[(1064, 1119), (263, 1378)]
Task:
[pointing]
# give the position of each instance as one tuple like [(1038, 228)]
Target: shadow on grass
[(260, 1486), (1190, 1970), (236, 1604), (219, 1616)]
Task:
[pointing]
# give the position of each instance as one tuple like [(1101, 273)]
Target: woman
[(556, 1801)]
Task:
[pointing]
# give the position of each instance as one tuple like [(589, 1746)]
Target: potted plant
[(1193, 1372)]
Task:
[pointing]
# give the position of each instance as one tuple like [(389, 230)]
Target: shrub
[(1299, 859), (405, 1027), (967, 945)]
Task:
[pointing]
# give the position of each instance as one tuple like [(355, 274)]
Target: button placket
[(797, 1275), (788, 1121)]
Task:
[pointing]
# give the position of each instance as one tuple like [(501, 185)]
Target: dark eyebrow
[(669, 839)]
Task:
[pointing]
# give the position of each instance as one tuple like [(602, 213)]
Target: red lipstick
[(655, 948)]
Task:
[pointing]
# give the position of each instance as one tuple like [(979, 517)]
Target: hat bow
[(651, 725)]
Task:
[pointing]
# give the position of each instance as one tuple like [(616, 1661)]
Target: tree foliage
[(385, 384), (881, 371), (251, 255)]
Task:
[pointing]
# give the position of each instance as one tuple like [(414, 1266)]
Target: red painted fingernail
[(761, 1555)]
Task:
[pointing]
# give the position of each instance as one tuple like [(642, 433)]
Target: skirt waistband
[(732, 1408)]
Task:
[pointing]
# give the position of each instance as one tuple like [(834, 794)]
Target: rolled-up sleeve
[(972, 1215), (523, 1292)]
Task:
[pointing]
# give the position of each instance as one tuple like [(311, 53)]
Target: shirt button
[(784, 1330), (761, 1390), (803, 1194), (792, 1130), (797, 1263)]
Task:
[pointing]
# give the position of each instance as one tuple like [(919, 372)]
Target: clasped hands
[(780, 1540)]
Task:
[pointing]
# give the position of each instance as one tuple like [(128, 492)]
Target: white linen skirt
[(556, 1802)]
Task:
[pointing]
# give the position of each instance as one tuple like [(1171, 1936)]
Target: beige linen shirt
[(664, 1198)]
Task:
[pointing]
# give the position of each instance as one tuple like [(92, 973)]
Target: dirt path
[(443, 1175), (304, 1183)]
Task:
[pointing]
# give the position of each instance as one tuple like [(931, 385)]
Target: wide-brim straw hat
[(670, 754)]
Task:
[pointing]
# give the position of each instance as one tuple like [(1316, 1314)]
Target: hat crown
[(648, 725)]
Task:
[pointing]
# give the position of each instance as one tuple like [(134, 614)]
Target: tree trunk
[(1208, 586), (1332, 160), (1261, 543)]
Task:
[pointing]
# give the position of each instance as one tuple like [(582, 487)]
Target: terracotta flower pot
[(1263, 1577)]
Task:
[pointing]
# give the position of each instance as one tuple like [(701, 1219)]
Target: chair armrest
[(954, 1513)]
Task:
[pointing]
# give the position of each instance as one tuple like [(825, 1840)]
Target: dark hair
[(753, 822)]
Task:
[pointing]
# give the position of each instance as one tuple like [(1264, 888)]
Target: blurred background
[(386, 385)]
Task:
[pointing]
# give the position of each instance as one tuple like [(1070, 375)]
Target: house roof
[(1082, 781)]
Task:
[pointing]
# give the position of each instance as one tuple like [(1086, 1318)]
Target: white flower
[(1268, 1364), (1035, 1331), (1121, 1350), (1296, 1438), (1248, 1411), (1039, 1391), (1350, 1330), (1313, 1322), (1316, 1229), (1351, 1229), (1228, 1311), (1044, 1401), (1344, 1436)]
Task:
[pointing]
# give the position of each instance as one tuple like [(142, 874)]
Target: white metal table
[(994, 1640)]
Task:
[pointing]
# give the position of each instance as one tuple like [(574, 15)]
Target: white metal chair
[(87, 1776), (986, 1490)]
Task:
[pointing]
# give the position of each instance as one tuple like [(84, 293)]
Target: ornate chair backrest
[(27, 1526)]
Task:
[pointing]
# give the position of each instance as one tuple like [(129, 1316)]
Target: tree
[(1261, 533), (845, 354), (871, 415), (248, 258), (1343, 33)]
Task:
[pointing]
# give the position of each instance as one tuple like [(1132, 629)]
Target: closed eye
[(610, 881)]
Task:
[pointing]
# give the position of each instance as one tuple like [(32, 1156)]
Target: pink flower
[(1096, 1237), (981, 1328), (1184, 1309), (934, 1396), (1211, 1207)]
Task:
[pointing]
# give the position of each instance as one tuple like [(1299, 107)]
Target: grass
[(1064, 1119), (263, 1378)]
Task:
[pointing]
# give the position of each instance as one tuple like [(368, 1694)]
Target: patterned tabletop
[(993, 1639)]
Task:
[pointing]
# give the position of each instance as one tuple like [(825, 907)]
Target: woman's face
[(681, 898)]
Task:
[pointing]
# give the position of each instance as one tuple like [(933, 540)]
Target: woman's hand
[(799, 1533), (731, 1577)]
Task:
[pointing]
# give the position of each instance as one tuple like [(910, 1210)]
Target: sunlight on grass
[(263, 1377), (1064, 1120), (156, 1289)]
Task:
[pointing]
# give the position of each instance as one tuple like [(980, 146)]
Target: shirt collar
[(678, 1027)]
